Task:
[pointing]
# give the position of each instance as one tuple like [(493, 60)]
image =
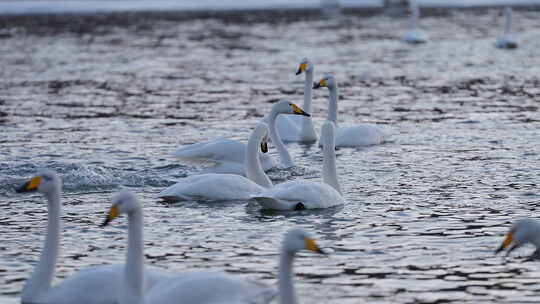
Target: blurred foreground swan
[(304, 194), (524, 231), (228, 155), (414, 35), (199, 287), (507, 40), (215, 186), (95, 285), (298, 128), (350, 136)]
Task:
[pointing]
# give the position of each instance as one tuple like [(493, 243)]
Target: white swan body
[(302, 194), (95, 285), (348, 136), (507, 40), (210, 287), (414, 35), (215, 186), (228, 155), (211, 186), (299, 195), (299, 128), (199, 287)]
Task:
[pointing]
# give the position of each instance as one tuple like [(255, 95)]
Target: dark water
[(106, 105)]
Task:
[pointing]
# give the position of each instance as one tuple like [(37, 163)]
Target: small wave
[(85, 177)]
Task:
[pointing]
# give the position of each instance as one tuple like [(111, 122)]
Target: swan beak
[(312, 246), (30, 185), (113, 213), (507, 241), (301, 68), (298, 111), (264, 147), (320, 84)]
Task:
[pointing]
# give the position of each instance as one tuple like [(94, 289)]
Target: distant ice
[(91, 6)]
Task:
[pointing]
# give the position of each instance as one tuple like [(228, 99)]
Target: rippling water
[(105, 105)]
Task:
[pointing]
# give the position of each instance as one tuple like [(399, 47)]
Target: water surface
[(105, 105)]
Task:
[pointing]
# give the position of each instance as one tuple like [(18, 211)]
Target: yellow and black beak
[(31, 185), (507, 241), (298, 111), (301, 68), (312, 246), (113, 213), (320, 84)]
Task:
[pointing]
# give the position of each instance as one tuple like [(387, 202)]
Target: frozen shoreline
[(11, 7)]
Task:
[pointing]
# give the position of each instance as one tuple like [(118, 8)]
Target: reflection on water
[(425, 211)]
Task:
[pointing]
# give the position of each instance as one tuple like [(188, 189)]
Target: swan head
[(522, 232), (297, 239), (286, 107), (305, 66), (328, 81), (44, 182), (124, 202)]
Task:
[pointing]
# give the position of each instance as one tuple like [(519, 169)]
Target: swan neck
[(285, 284), (508, 20), (284, 155), (254, 170), (329, 163), (415, 14), (332, 104), (308, 90), (41, 279), (134, 277)]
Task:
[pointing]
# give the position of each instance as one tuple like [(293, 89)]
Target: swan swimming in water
[(414, 35), (304, 194), (350, 136), (507, 40), (206, 287), (94, 285), (298, 128), (215, 186), (228, 155)]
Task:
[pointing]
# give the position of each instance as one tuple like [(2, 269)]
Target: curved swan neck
[(332, 104), (284, 155), (285, 284), (508, 20), (133, 282), (254, 170), (41, 279), (329, 159)]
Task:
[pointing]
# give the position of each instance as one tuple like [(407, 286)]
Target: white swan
[(204, 287), (95, 285), (507, 40), (228, 155), (414, 35), (350, 136), (298, 128), (224, 154), (303, 194), (523, 232), (214, 186)]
